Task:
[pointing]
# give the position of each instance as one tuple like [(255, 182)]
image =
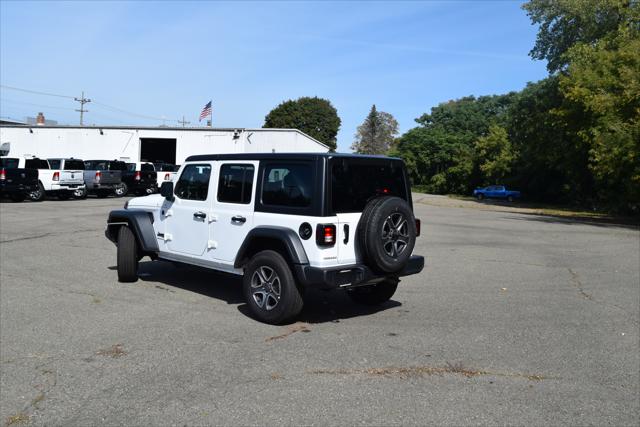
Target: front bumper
[(350, 275)]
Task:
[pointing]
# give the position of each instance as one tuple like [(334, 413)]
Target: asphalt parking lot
[(516, 319)]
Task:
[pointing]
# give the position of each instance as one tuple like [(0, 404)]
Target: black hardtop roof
[(284, 156)]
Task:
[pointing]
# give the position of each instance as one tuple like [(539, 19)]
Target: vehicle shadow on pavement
[(320, 306), (210, 283), (333, 306)]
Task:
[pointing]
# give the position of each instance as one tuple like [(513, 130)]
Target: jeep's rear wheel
[(127, 255), (387, 234), (270, 289), (374, 294)]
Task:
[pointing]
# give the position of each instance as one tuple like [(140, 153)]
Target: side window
[(194, 182), (287, 185), (236, 183)]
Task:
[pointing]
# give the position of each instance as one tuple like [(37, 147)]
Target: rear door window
[(147, 167), (287, 184), (354, 182), (236, 183), (194, 182)]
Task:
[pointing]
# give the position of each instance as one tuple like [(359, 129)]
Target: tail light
[(167, 176), (418, 225), (3, 175), (326, 235), (137, 176), (56, 176), (98, 176)]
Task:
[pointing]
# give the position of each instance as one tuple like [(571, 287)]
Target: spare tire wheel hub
[(394, 234)]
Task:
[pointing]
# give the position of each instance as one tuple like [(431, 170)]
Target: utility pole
[(183, 122), (82, 100)]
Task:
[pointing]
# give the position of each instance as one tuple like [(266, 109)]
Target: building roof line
[(158, 128)]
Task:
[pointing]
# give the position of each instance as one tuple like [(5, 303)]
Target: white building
[(171, 145)]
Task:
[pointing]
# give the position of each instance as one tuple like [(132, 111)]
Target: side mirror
[(166, 191)]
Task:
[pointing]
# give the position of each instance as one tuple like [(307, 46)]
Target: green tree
[(602, 82), (376, 134), (440, 153), (552, 161), (494, 154), (564, 23), (314, 116)]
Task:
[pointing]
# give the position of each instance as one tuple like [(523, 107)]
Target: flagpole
[(211, 114)]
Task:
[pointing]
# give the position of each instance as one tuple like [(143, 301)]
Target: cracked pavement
[(516, 319)]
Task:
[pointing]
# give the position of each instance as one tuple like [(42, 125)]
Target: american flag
[(206, 111)]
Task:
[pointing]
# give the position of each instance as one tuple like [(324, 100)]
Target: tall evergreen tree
[(376, 134)]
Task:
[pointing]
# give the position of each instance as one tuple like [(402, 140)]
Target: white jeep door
[(187, 222), (233, 207)]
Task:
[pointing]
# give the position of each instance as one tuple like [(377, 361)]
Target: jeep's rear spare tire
[(387, 234)]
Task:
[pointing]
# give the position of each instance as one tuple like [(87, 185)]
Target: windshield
[(36, 164), (96, 165), (9, 163), (55, 164), (74, 164), (356, 181)]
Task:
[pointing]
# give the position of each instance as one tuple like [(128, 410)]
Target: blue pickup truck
[(496, 192)]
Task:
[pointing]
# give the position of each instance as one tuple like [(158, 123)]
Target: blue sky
[(167, 59)]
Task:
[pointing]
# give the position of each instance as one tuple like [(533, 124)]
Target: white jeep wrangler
[(285, 221)]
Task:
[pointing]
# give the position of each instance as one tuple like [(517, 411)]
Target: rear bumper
[(68, 186), (351, 275), (106, 186), (12, 188)]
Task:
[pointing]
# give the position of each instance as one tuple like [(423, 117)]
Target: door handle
[(239, 219), (200, 215)]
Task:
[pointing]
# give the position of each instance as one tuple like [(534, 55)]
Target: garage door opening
[(158, 150)]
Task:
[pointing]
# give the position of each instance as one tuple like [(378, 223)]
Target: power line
[(35, 105), (131, 113), (82, 110), (36, 92)]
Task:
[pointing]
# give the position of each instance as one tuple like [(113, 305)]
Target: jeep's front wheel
[(127, 255), (270, 289), (374, 294)]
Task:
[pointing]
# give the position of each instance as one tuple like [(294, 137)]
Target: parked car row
[(34, 178)]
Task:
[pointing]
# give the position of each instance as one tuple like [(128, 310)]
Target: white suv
[(284, 221)]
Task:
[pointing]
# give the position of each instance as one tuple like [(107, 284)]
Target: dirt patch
[(115, 351), (17, 419), (422, 371), (292, 329)]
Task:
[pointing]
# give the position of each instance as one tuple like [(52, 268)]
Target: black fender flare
[(140, 223), (287, 236)]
